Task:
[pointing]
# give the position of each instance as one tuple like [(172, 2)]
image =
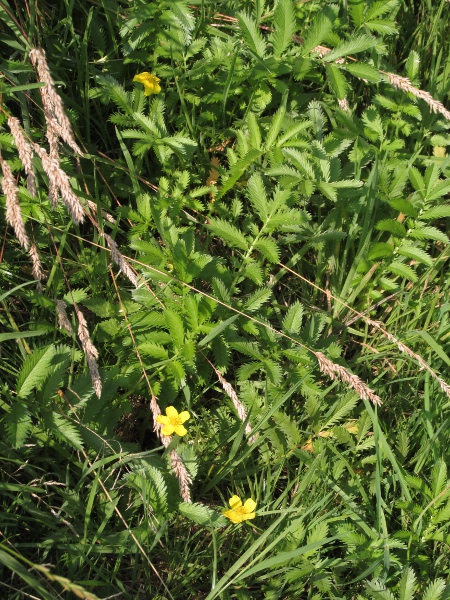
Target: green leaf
[(319, 30), (229, 233), (393, 226), (435, 590), (402, 270), (417, 180), (292, 322), (258, 299), (216, 330), (60, 427), (437, 212), (34, 370), (18, 424), (275, 127), (380, 250), (363, 71), (407, 585), (175, 326), (268, 248), (285, 25), (237, 170), (201, 514), (257, 196), (337, 81), (429, 233), (416, 254), (354, 45), (251, 33)]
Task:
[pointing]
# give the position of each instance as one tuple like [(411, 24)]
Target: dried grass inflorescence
[(240, 408), (60, 180), (25, 151), (334, 371), (445, 387), (120, 261), (404, 84), (36, 265), (90, 352), (57, 122), (63, 319), (13, 212), (184, 479)]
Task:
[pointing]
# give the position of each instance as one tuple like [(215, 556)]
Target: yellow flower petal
[(235, 502), (168, 429), (149, 81), (249, 507), (162, 419), (233, 516), (248, 516), (180, 430), (184, 416), (171, 412)]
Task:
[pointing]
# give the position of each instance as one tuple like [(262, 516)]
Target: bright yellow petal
[(168, 429), (249, 506), (184, 416), (162, 419), (180, 430), (248, 516), (232, 515), (142, 77), (171, 412), (147, 90), (157, 88), (235, 502)]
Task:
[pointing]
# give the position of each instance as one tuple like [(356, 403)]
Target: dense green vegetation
[(263, 244)]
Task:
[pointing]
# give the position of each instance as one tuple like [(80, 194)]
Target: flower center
[(175, 421)]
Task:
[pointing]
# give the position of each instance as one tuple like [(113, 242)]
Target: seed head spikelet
[(25, 151), (13, 212)]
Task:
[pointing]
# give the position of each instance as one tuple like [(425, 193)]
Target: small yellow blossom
[(173, 422), (240, 512), (150, 82)]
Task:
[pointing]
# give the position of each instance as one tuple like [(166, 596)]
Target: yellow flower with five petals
[(173, 421), (240, 512), (149, 81)]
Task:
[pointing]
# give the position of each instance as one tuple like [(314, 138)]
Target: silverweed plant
[(224, 283)]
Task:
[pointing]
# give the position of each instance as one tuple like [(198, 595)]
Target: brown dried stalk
[(59, 179), (53, 105), (63, 319), (404, 84), (240, 408), (120, 261), (445, 387), (334, 371), (13, 212), (25, 153), (90, 351)]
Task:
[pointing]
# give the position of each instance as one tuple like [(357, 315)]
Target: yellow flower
[(150, 82), (173, 422), (240, 512)]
